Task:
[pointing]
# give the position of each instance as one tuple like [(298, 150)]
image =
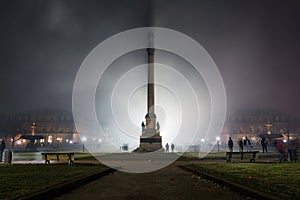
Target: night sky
[(255, 44)]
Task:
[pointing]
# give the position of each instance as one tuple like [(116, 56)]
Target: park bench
[(70, 157), (252, 159)]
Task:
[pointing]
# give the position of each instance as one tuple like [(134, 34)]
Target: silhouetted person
[(172, 147), (264, 144), (241, 146), (2, 147), (247, 144), (230, 144), (167, 147)]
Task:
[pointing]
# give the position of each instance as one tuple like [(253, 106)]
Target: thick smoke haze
[(182, 99), (255, 44)]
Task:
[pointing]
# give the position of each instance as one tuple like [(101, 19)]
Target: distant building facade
[(255, 124), (56, 126)]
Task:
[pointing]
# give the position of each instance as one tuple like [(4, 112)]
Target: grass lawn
[(20, 180), (281, 179), (272, 156)]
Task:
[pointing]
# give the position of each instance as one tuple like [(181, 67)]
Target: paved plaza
[(168, 183)]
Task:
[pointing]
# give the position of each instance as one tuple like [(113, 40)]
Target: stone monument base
[(150, 144)]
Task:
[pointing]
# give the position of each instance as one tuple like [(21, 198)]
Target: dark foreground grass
[(21, 180), (279, 179)]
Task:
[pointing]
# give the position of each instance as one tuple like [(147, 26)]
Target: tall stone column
[(150, 117), (150, 139), (150, 80)]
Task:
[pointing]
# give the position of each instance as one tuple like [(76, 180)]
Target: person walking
[(281, 150), (172, 147), (2, 148), (230, 144), (247, 143), (167, 148), (241, 146), (264, 144)]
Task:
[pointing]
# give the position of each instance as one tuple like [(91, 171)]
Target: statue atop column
[(151, 40)]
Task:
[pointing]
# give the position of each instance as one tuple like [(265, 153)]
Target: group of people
[(247, 144), (172, 147)]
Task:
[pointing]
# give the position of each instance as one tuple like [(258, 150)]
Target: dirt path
[(168, 183)]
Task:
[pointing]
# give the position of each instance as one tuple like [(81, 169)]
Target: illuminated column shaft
[(150, 117), (150, 80)]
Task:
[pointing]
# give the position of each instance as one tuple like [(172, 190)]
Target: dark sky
[(255, 44), (43, 44)]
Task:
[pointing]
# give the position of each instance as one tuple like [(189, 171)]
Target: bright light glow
[(50, 139), (218, 138), (202, 140), (100, 140), (167, 108), (114, 102), (19, 142), (284, 140), (71, 142), (67, 140)]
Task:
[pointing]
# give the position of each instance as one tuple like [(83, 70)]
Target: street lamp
[(218, 142)]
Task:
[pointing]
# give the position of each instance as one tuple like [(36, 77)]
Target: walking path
[(168, 183)]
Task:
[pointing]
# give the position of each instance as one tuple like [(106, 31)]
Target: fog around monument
[(254, 43), (121, 99)]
